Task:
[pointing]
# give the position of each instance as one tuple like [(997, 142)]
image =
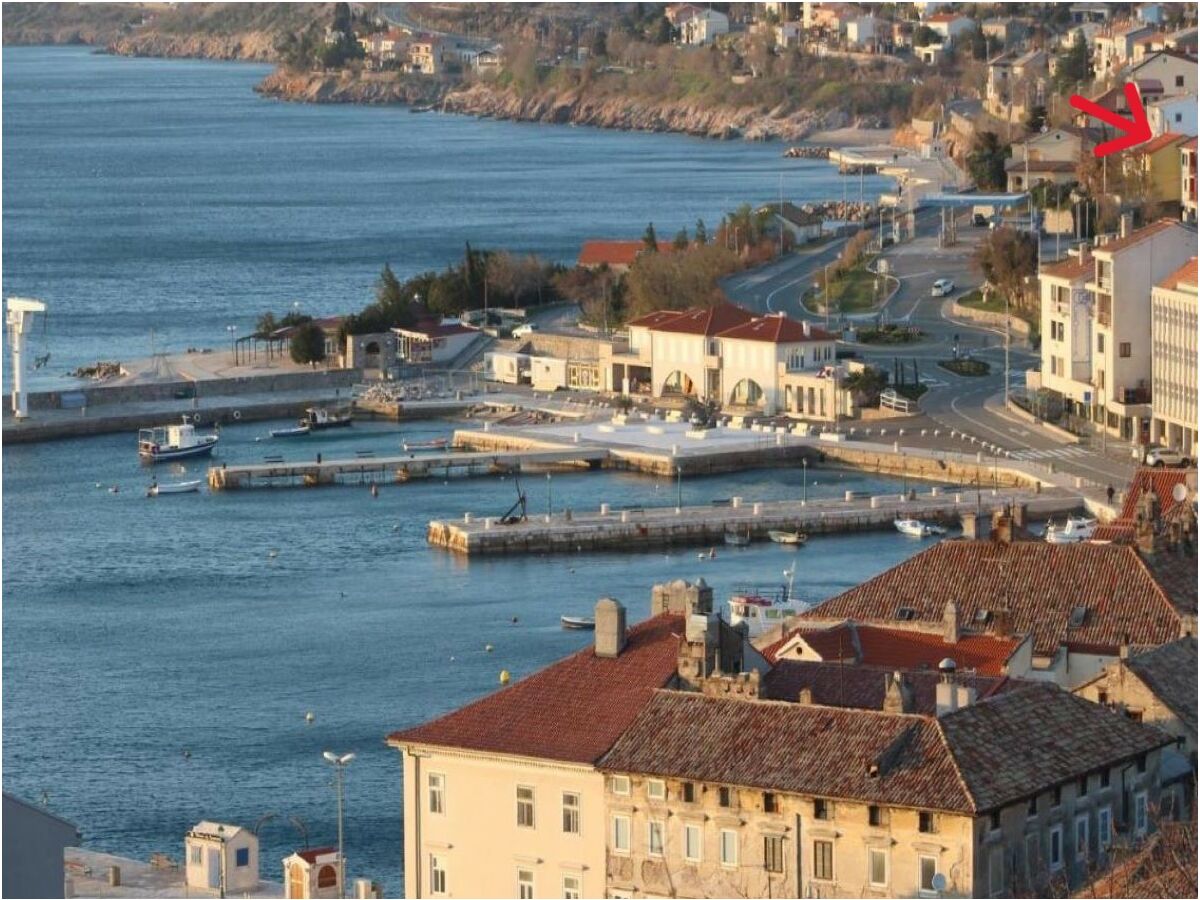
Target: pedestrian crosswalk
[(1056, 453)]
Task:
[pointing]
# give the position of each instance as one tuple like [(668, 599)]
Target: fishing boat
[(738, 538), (174, 442), (917, 528), (577, 623), (1076, 529), (179, 487), (764, 608), (435, 444), (792, 538), (318, 418), (296, 431)]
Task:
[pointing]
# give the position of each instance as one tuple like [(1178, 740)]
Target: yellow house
[(1156, 170)]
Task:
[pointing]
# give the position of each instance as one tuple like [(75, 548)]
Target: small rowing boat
[(577, 623), (793, 538), (435, 444), (297, 431), (179, 487)]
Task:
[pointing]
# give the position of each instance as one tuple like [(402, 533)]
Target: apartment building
[(1126, 269), (1114, 46), (1016, 82), (1173, 396), (1187, 173), (725, 794), (1067, 321)]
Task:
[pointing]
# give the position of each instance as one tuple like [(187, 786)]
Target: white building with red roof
[(434, 342)]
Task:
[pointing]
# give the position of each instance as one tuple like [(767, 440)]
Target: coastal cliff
[(557, 107), (256, 46)]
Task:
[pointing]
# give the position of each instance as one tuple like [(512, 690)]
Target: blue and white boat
[(174, 442)]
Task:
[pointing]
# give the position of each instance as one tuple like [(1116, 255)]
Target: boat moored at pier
[(319, 418), (167, 442), (917, 528), (1076, 529)]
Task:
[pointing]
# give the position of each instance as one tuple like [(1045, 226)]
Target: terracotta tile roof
[(945, 17), (1162, 482), (995, 752), (654, 319), (616, 253), (1151, 869), (776, 330), (572, 710), (1071, 268), (1170, 672), (1041, 585), (311, 856), (1185, 275), (707, 320), (1164, 140), (1131, 240), (1190, 145), (863, 687)]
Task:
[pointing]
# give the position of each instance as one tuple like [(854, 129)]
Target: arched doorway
[(371, 352), (678, 384), (747, 392)]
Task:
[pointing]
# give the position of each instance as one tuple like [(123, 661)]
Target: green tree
[(266, 324), (663, 31), (701, 232), (599, 46), (924, 36), (1037, 118), (1007, 257), (681, 240), (650, 238), (1074, 66), (986, 161), (308, 344)]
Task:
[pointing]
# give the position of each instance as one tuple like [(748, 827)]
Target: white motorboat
[(318, 418), (1076, 529), (297, 431), (577, 623), (435, 444), (173, 442), (763, 609), (917, 528), (737, 538), (180, 487), (793, 538)]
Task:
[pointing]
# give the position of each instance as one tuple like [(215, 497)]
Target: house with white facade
[(700, 26), (1173, 325), (434, 342), (1173, 70), (950, 25), (1052, 156), (1067, 319), (1114, 47), (1016, 82), (771, 364)]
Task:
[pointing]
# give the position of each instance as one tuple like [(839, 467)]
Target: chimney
[(805, 697), (946, 698), (1126, 224), (610, 628), (1001, 527), (1001, 623), (1020, 514), (950, 629), (807, 327), (970, 526), (897, 694)]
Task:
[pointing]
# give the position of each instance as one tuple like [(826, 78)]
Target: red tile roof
[(310, 856), (1162, 482), (1185, 275), (1190, 145), (1164, 140), (1131, 240), (1071, 268), (707, 320), (654, 319), (1041, 585), (573, 710), (776, 329), (945, 17), (616, 253)]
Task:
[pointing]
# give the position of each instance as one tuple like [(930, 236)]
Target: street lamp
[(232, 331), (549, 498), (804, 463), (678, 488), (339, 763)]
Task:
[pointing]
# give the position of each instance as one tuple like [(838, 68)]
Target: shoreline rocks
[(101, 371)]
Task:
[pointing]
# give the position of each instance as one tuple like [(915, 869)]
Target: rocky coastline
[(251, 46)]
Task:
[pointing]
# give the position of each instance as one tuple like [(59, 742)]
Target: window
[(1104, 827), (1178, 81), (524, 884), (927, 868), (994, 820), (725, 797), (1099, 343), (524, 806), (437, 875), (1125, 349), (996, 871), (620, 834), (1031, 809), (729, 847), (770, 802), (1057, 797), (876, 816), (656, 790), (242, 857), (926, 822), (571, 888), (1141, 764), (1081, 837), (620, 785), (437, 793), (689, 792), (692, 848), (654, 838), (570, 809), (1083, 786), (822, 809), (773, 853), (196, 856), (1056, 855), (877, 867), (823, 860), (1105, 778), (1139, 813)]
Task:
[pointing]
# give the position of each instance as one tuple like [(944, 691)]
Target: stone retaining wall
[(1019, 327)]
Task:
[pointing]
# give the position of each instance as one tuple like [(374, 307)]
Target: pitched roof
[(1162, 482), (1185, 275), (776, 329), (992, 753), (1070, 268), (616, 253), (1170, 672), (654, 319), (311, 856), (1135, 238), (707, 320), (1164, 140), (572, 710), (863, 686), (1041, 585)]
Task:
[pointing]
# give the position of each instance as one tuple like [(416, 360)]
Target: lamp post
[(678, 488), (339, 763), (232, 332), (804, 496), (549, 498), (221, 862)]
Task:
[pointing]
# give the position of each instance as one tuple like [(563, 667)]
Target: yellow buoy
[(504, 676)]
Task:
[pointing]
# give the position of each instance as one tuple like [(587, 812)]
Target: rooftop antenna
[(20, 322)]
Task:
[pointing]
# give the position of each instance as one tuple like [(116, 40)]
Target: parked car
[(1165, 456), (525, 330), (942, 287)]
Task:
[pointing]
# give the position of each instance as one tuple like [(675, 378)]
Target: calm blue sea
[(157, 661)]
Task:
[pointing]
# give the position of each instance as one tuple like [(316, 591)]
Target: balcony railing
[(1135, 395)]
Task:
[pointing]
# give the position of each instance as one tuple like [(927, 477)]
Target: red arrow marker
[(1137, 130)]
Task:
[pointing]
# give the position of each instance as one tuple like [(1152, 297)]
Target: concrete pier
[(706, 526)]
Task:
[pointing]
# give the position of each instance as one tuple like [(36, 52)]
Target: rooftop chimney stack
[(610, 628), (970, 526), (946, 698), (898, 694), (950, 632), (805, 696), (1126, 224)]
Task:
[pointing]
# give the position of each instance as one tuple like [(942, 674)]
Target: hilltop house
[(1153, 170), (1175, 113), (950, 25), (1052, 156), (1016, 83)]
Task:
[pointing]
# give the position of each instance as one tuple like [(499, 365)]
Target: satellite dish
[(1179, 492), (939, 882)]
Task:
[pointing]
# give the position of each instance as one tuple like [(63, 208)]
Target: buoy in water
[(309, 717), (374, 489), (515, 620), (488, 648), (504, 676), (272, 553)]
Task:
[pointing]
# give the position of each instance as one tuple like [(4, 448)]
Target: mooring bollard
[(466, 518), (757, 509), (604, 509), (624, 515), (933, 491), (849, 495), (736, 502)]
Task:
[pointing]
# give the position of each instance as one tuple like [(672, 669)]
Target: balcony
[(1135, 396)]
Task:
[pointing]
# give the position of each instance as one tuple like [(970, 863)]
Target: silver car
[(942, 287)]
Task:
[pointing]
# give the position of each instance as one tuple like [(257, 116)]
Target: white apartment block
[(1067, 323), (1173, 385)]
